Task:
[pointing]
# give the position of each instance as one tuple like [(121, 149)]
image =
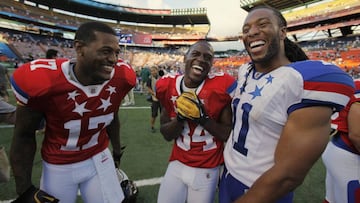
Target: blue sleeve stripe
[(232, 88), (311, 103), (19, 94)]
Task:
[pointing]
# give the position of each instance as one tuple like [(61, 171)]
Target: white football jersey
[(262, 103)]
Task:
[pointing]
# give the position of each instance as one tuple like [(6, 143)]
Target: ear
[(283, 32), (79, 45)]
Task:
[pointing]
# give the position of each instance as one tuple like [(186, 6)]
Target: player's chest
[(79, 102)]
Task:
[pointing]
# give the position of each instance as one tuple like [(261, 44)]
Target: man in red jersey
[(194, 167), (80, 100), (342, 154)]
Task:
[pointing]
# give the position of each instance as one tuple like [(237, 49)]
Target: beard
[(271, 52)]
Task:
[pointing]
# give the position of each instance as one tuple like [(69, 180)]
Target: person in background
[(7, 112), (342, 154), (51, 54), (144, 74), (4, 83), (80, 100), (281, 112), (8, 116), (196, 115), (155, 104), (129, 99)]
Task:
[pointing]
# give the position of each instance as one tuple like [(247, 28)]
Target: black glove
[(35, 195)]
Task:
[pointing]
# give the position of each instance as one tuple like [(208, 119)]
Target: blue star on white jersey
[(80, 108), (105, 104), (269, 79), (256, 92)]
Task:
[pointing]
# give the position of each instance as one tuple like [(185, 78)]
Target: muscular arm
[(221, 129), (353, 124), (23, 146), (113, 131), (302, 141)]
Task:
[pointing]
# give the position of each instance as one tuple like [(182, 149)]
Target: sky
[(226, 19)]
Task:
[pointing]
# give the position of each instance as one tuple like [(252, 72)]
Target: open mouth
[(197, 69), (107, 69), (256, 45)]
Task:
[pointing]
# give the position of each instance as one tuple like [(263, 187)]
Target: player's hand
[(35, 195), (189, 106)]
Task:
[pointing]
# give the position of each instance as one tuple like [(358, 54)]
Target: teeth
[(108, 68), (198, 67), (256, 43)]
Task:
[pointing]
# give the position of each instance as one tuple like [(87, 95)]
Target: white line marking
[(151, 181), (6, 126), (135, 107)]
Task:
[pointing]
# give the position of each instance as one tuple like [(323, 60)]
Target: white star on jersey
[(80, 108), (173, 99), (105, 104), (73, 94), (111, 89)]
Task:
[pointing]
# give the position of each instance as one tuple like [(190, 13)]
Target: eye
[(105, 52), (262, 25), (245, 29), (195, 53), (208, 57)]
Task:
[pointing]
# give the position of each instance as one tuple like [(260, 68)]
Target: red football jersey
[(339, 120), (196, 147), (76, 115)]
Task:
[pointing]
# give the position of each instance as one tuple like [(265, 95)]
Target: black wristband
[(180, 118), (202, 121)]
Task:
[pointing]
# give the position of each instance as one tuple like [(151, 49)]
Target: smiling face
[(96, 59), (198, 62), (263, 37)]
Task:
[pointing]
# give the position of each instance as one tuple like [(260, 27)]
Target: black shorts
[(155, 108)]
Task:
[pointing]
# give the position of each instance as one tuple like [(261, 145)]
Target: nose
[(113, 57), (201, 57), (254, 30)]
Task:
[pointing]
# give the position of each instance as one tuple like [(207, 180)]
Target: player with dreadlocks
[(281, 114)]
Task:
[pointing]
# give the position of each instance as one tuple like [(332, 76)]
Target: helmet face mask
[(128, 186)]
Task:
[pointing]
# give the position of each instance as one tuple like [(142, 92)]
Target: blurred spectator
[(129, 99), (144, 74), (4, 78), (7, 112), (51, 54), (155, 104)]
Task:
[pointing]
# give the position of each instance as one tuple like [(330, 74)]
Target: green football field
[(146, 157)]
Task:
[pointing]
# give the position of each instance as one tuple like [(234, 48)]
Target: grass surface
[(146, 156)]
